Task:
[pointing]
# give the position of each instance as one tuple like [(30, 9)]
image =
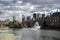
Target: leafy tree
[(16, 24)]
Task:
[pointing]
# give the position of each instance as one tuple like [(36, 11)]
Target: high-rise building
[(34, 15), (23, 18), (28, 18), (43, 15), (37, 15), (14, 18)]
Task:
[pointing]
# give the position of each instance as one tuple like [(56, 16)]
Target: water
[(5, 33), (28, 34), (34, 33)]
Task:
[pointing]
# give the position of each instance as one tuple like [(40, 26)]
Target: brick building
[(53, 20)]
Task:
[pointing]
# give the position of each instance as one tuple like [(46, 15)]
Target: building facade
[(54, 19)]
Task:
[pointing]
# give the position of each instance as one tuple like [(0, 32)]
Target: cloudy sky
[(9, 8)]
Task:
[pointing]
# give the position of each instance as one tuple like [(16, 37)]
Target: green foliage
[(16, 24)]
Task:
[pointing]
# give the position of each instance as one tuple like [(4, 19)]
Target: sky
[(9, 8)]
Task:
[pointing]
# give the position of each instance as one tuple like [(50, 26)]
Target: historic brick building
[(53, 20)]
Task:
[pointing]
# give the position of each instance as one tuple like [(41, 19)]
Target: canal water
[(30, 34)]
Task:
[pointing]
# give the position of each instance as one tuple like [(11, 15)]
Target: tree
[(16, 24)]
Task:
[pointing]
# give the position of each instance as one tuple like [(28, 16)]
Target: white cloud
[(6, 0), (19, 2), (16, 10), (19, 8), (55, 10)]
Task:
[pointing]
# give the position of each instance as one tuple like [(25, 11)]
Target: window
[(50, 20), (55, 20)]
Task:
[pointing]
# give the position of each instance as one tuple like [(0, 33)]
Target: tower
[(14, 18), (34, 16), (43, 15), (23, 18), (28, 18), (37, 15)]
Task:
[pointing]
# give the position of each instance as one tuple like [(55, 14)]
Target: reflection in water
[(28, 34), (48, 38)]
